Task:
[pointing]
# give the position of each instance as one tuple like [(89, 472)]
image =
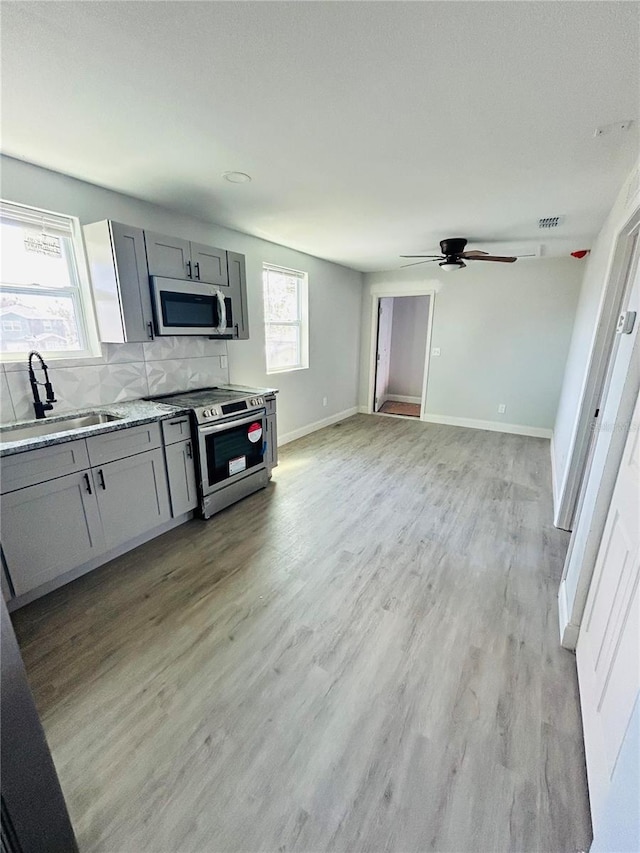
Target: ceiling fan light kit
[(453, 255)]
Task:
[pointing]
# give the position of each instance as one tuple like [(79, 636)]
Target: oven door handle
[(208, 430)]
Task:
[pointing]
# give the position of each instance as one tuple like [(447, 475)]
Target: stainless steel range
[(229, 430)]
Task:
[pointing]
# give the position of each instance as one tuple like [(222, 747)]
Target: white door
[(383, 351), (608, 650)]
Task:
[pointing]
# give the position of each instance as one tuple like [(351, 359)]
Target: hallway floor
[(362, 657)]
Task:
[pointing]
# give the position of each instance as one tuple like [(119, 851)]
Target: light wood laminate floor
[(363, 657)]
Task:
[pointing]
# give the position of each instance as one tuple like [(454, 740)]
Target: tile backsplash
[(124, 372)]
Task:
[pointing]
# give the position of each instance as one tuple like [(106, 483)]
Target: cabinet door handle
[(150, 329), (197, 268), (101, 480), (189, 450), (189, 274), (88, 483), (175, 423)]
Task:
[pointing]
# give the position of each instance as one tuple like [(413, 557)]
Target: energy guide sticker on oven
[(238, 464)]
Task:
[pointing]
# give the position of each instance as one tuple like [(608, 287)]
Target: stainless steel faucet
[(38, 405)]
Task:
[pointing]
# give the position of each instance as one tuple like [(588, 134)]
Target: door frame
[(571, 611), (386, 291), (566, 511)]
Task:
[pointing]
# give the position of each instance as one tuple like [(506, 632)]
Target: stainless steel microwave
[(190, 308)]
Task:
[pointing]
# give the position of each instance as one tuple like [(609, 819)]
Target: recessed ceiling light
[(237, 177)]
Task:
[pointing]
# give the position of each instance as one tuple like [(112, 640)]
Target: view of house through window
[(43, 303), (285, 318)]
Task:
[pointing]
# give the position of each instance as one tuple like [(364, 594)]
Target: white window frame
[(302, 323), (80, 293)]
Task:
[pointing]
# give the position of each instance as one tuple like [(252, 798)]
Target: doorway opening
[(401, 358)]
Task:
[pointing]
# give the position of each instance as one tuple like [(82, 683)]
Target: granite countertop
[(264, 392), (131, 413)]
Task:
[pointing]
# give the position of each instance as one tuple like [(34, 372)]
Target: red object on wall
[(581, 253)]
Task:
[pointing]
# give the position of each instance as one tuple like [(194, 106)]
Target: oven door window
[(188, 310), (234, 451)]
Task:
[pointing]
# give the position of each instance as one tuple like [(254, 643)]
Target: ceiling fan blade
[(473, 253), (417, 263), (422, 256), (499, 258)]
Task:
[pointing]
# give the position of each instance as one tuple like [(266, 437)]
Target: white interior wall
[(503, 332), (408, 346), (589, 310), (334, 312)]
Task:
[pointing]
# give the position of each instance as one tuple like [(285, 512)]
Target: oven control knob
[(206, 413)]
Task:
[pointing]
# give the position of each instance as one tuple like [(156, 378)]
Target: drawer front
[(122, 443), (46, 463), (177, 429)]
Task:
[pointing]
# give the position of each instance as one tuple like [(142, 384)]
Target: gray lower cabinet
[(272, 432), (272, 442), (132, 496), (182, 477), (50, 528)]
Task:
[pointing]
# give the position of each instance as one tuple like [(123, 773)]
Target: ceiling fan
[(453, 255)]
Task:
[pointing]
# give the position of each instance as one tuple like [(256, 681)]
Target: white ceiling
[(371, 129)]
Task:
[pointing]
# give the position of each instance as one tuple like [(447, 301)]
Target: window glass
[(285, 313), (44, 304)]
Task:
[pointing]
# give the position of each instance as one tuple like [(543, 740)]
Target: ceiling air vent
[(550, 222)]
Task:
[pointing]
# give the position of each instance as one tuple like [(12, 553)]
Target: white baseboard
[(492, 426), (568, 631), (364, 410), (554, 478), (399, 398), (309, 428)]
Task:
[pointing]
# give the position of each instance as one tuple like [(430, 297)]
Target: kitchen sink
[(44, 427)]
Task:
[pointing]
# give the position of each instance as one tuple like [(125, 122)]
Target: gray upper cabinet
[(49, 529), (168, 256), (132, 496), (238, 293), (172, 257), (120, 281), (209, 265), (121, 260)]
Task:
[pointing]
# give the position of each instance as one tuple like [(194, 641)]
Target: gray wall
[(503, 331), (408, 345), (334, 309)]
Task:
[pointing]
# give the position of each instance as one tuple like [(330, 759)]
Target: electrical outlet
[(435, 351), (502, 409), (324, 401)]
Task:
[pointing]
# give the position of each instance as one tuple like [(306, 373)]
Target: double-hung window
[(45, 299), (286, 320)]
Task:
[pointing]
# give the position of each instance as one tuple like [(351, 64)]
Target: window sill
[(287, 370), (82, 359)]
